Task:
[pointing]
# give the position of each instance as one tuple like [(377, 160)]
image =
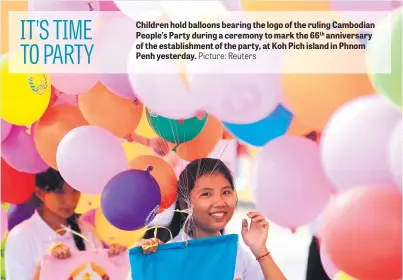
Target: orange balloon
[(52, 127), (313, 98), (297, 128), (163, 174), (204, 143), (103, 108)]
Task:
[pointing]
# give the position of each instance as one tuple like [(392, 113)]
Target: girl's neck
[(54, 221), (197, 233)]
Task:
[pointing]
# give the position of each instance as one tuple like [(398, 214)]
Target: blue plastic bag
[(199, 259)]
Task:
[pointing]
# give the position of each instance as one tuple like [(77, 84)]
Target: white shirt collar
[(46, 230)]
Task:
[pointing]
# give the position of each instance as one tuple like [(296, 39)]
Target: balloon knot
[(90, 6), (149, 169), (136, 102), (293, 230), (200, 114), (175, 148), (181, 121)]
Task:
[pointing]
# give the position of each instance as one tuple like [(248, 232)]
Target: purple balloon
[(19, 151), (5, 129), (17, 213), (131, 200), (118, 84)]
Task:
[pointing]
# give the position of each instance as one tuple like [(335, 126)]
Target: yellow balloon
[(24, 97), (112, 235), (342, 276), (135, 149), (88, 202), (143, 128)]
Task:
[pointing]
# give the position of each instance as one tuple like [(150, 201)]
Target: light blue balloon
[(259, 133)]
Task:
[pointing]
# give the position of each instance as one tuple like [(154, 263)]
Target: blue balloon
[(261, 132)]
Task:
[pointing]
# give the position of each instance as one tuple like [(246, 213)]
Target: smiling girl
[(206, 187)]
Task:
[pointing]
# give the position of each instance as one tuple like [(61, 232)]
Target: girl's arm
[(269, 268), (37, 272)]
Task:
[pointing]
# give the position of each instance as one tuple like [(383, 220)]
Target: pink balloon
[(19, 151), (169, 97), (74, 83), (116, 31), (4, 223), (395, 154), (363, 233), (288, 183), (327, 263), (61, 5), (5, 129), (88, 157), (353, 143)]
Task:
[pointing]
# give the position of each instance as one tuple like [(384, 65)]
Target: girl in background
[(206, 186), (30, 240)]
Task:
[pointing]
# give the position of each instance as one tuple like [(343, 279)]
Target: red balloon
[(363, 233), (16, 187)]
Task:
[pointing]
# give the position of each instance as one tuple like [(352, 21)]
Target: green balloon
[(176, 131), (389, 31), (3, 268)]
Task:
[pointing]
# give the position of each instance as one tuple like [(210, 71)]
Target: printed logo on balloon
[(38, 86), (152, 215)]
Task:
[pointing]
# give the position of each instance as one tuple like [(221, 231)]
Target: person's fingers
[(160, 242), (258, 219), (253, 215), (244, 226)]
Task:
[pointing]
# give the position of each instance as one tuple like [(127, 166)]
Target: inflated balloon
[(74, 84), (289, 169), (134, 149), (16, 187), (373, 216), (97, 157), (118, 115), (4, 223), (353, 143), (141, 9), (116, 31), (59, 5), (176, 131), (24, 97), (260, 6), (131, 199), (52, 127), (226, 135), (20, 152), (386, 47), (163, 174), (108, 6), (395, 154), (327, 263), (170, 97), (5, 129), (63, 98), (88, 202), (313, 98), (112, 235), (204, 143), (259, 133), (235, 98), (144, 129), (17, 213)]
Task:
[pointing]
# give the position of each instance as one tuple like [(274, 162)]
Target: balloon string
[(64, 228), (184, 237)]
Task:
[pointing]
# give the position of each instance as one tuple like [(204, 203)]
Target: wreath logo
[(38, 85)]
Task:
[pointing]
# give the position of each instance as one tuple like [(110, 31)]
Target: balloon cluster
[(351, 176)]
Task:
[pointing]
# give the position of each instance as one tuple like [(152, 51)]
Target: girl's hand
[(149, 245), (159, 146), (255, 236), (61, 251), (116, 249)]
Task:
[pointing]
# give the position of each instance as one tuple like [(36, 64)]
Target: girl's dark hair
[(52, 181), (186, 183)]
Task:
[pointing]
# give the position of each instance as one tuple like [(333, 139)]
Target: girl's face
[(62, 203), (213, 203)]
